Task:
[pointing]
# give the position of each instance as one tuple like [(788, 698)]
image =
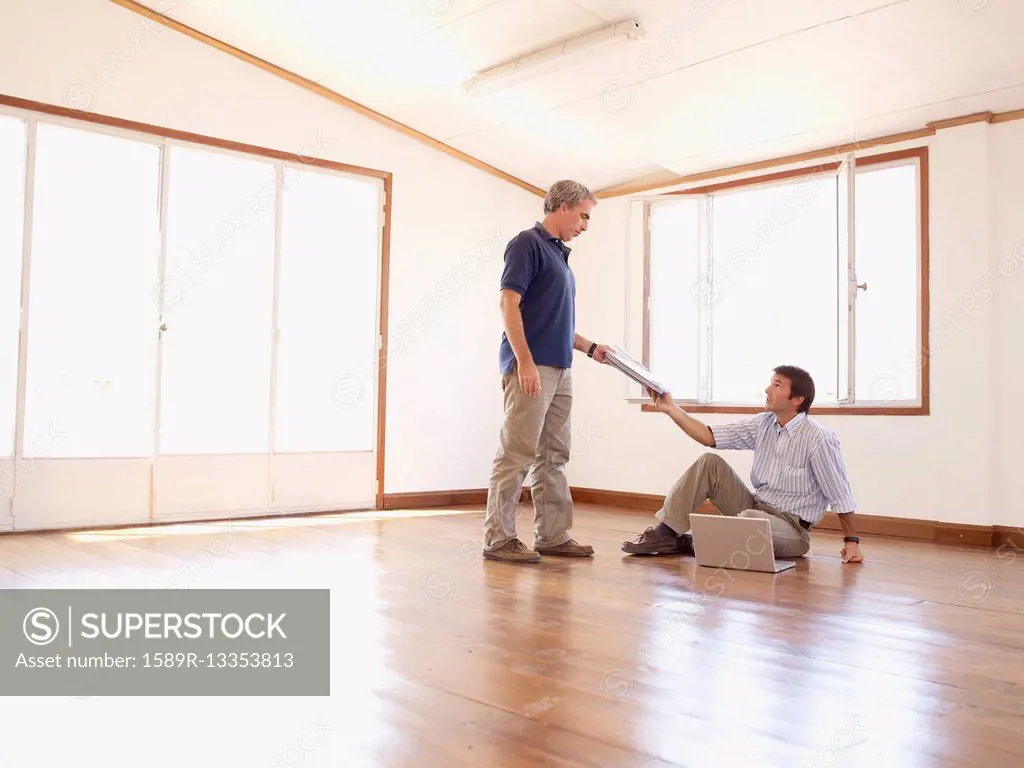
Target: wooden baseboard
[(997, 536), (1005, 538), (641, 502), (922, 530), (431, 499)]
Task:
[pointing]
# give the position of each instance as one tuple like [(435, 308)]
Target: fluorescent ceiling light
[(550, 59)]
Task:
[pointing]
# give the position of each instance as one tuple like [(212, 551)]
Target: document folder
[(619, 359)]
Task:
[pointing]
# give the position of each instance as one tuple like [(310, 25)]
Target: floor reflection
[(442, 658)]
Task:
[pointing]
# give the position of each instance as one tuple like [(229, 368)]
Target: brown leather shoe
[(512, 551), (570, 548), (652, 543)]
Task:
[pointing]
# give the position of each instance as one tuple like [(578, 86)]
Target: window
[(889, 354), (675, 236), (218, 290), (767, 280), (90, 330), (823, 268), (180, 318), (12, 222), (330, 232)]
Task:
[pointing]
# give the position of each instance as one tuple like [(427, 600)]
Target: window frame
[(915, 155)]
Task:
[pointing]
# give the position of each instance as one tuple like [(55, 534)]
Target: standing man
[(798, 470), (538, 306)]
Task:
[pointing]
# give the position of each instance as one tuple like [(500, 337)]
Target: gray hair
[(566, 192)]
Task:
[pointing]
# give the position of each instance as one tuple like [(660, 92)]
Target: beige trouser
[(711, 478), (535, 435)]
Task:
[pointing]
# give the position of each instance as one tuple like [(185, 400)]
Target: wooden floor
[(915, 658)]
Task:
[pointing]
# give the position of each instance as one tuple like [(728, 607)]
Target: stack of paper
[(635, 370)]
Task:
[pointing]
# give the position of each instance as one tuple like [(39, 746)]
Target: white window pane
[(774, 251), (218, 295), (92, 322), (888, 352), (676, 295), (326, 382), (12, 221)]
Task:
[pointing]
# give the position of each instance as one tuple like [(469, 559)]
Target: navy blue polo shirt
[(537, 267)]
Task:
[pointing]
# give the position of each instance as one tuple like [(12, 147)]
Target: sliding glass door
[(13, 149), (325, 403), (185, 332), (216, 297), (269, 289), (86, 443)]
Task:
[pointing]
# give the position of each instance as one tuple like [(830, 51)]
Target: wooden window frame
[(920, 154)]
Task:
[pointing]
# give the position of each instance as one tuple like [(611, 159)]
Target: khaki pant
[(536, 435), (711, 478)]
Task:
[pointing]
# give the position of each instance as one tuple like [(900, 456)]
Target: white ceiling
[(713, 83)]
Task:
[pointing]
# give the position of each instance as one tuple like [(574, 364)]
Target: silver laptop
[(739, 543)]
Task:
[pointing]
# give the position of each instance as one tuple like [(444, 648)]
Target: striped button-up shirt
[(798, 468)]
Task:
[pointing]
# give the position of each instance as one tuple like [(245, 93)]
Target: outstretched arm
[(695, 429), (736, 436), (583, 344)]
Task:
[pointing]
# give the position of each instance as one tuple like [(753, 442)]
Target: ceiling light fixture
[(552, 58)]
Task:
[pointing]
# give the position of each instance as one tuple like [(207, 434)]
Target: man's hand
[(851, 552), (529, 379), (601, 353), (694, 429), (663, 403)]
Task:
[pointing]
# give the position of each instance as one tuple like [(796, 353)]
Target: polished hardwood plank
[(913, 658)]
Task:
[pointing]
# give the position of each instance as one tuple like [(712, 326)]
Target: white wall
[(449, 221), (959, 464), (1003, 395)]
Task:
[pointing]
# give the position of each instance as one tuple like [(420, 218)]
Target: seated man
[(798, 470)]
